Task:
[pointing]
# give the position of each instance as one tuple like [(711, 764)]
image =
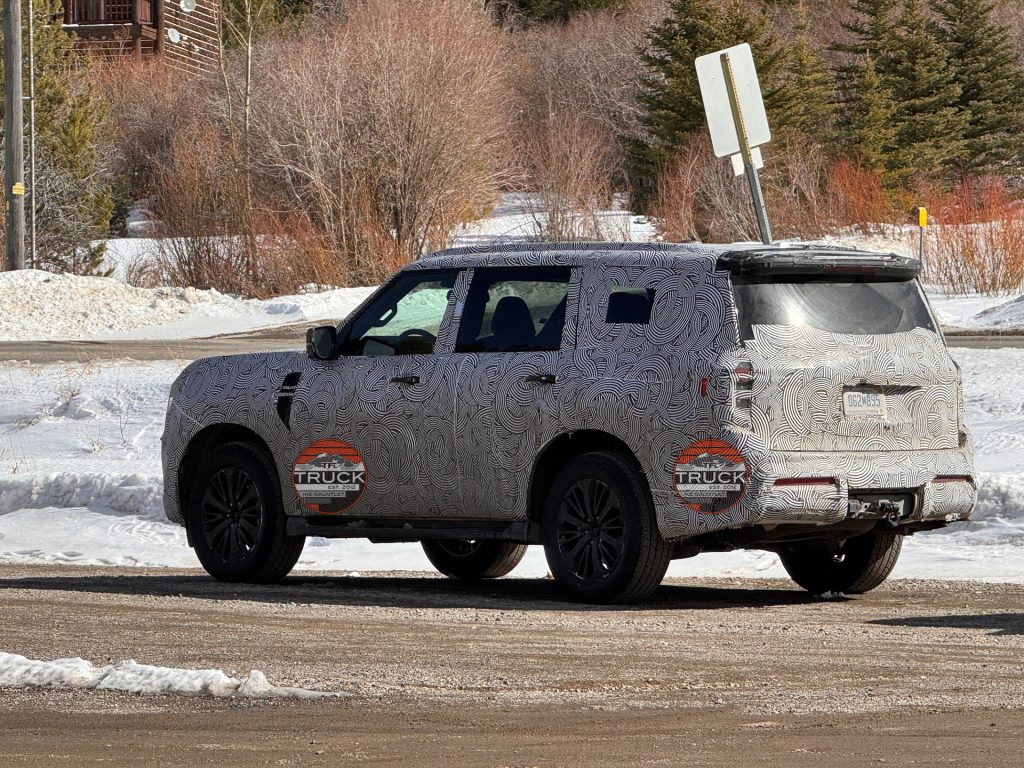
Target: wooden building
[(182, 32)]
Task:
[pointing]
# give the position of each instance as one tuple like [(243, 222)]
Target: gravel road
[(434, 672)]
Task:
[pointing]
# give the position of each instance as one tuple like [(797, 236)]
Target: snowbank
[(38, 305), (18, 672)]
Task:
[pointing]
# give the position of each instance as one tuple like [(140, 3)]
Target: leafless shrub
[(143, 272), (569, 174), (978, 245), (806, 194), (699, 197), (589, 67), (858, 198), (385, 132), (149, 104)]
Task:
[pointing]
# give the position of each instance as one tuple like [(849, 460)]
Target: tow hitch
[(890, 512), (893, 508)]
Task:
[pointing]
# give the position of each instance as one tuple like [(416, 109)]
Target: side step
[(378, 529)]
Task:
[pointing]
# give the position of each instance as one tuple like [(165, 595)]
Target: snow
[(38, 305), (80, 481), (18, 672)]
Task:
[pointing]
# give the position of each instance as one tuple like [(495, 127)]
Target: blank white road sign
[(713, 91)]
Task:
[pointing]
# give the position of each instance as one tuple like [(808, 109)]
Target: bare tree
[(388, 130)]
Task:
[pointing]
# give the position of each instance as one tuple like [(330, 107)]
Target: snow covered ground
[(80, 480)]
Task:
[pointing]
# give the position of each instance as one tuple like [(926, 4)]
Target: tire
[(236, 520), (867, 561), (476, 559), (601, 537)]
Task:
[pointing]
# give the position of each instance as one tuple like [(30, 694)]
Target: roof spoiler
[(764, 262)]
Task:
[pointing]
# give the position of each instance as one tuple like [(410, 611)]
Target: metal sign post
[(748, 162), (736, 118)]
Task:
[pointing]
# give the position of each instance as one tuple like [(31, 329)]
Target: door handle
[(405, 379), (541, 378)]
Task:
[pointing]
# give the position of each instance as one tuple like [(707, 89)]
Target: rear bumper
[(825, 488)]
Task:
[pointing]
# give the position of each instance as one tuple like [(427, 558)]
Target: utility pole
[(32, 135), (14, 137)]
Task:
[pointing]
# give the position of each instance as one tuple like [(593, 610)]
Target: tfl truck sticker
[(710, 476), (329, 476)]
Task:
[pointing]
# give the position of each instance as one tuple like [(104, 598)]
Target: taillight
[(742, 382), (952, 479)]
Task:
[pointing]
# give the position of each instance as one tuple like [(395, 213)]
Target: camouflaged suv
[(621, 404)]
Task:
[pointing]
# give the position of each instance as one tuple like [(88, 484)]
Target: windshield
[(861, 307)]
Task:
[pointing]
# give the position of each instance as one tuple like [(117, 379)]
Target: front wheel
[(601, 537), (235, 517), (473, 559), (862, 564)]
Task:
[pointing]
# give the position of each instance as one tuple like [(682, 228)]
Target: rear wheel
[(863, 563), (473, 559), (600, 534), (235, 518)]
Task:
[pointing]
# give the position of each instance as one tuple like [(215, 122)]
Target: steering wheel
[(416, 333)]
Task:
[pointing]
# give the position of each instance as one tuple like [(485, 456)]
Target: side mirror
[(322, 342)]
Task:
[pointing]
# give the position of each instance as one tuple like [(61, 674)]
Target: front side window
[(405, 319), (515, 310)]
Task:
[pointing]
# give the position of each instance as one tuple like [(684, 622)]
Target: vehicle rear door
[(846, 363), (514, 349)]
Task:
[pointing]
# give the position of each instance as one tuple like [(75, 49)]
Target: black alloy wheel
[(591, 529), (231, 514), (235, 517), (601, 535)]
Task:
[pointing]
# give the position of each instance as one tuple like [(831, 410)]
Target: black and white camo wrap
[(464, 440)]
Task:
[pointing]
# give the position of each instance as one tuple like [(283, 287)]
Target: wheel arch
[(564, 448), (202, 444)]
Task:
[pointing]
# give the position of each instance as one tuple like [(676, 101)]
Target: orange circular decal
[(329, 476), (710, 476)]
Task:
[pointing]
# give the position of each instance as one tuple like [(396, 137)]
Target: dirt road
[(434, 672)]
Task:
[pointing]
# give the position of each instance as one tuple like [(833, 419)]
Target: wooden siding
[(198, 49), (138, 28)]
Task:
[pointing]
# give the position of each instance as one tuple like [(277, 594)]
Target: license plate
[(859, 403)]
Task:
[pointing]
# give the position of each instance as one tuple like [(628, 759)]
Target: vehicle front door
[(375, 433), (514, 347)]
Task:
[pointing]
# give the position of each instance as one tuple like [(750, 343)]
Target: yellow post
[(922, 222)]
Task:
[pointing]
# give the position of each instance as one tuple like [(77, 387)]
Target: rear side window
[(860, 307), (515, 310), (630, 305)]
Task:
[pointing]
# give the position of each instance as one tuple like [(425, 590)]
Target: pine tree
[(670, 94), (813, 113), (872, 125), (929, 126), (988, 71)]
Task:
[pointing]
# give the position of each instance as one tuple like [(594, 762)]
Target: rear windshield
[(863, 307)]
